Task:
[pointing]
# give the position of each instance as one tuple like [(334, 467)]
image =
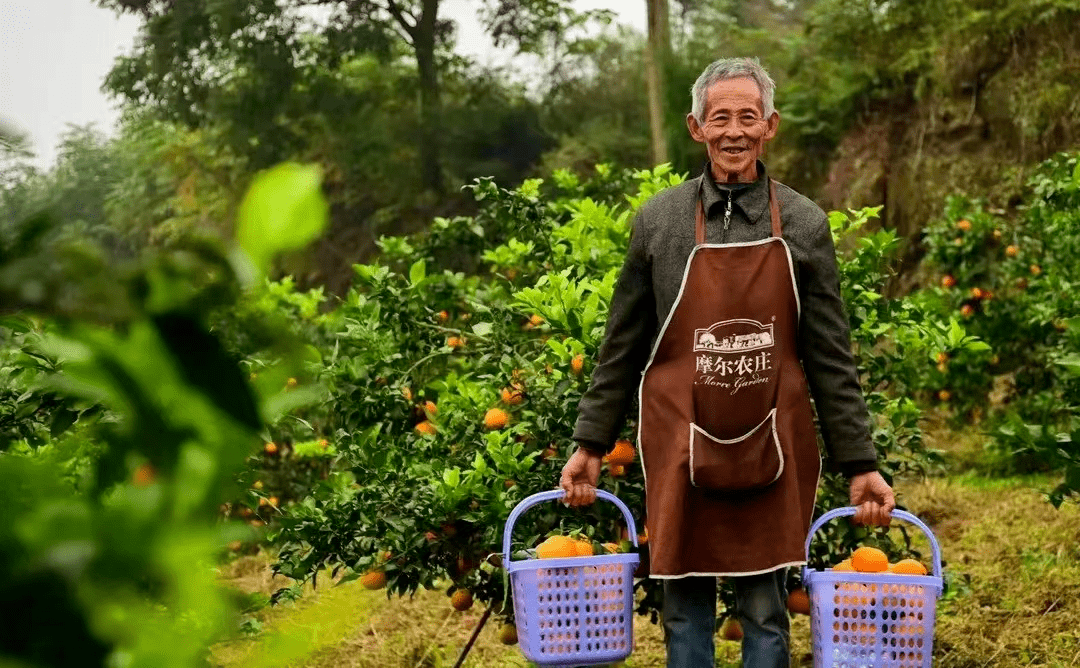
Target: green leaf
[(482, 328), (417, 272), (284, 209), (1071, 362)]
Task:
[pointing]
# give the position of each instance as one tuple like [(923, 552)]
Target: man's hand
[(579, 477), (873, 497)]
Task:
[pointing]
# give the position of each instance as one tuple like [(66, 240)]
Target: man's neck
[(721, 178)]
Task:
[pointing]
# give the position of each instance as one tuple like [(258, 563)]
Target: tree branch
[(399, 15)]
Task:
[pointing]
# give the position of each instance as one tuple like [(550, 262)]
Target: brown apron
[(725, 430)]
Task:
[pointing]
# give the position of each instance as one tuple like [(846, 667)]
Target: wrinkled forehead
[(734, 95)]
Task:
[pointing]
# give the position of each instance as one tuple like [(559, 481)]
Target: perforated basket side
[(577, 613), (872, 621)]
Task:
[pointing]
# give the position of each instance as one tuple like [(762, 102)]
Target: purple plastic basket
[(872, 620), (574, 611)]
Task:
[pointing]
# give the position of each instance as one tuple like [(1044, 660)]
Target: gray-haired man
[(728, 314)]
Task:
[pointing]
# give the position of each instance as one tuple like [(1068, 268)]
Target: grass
[(1012, 561)]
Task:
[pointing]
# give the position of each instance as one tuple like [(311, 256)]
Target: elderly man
[(728, 314)]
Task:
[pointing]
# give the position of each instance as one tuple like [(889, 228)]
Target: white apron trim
[(694, 430), (721, 575)]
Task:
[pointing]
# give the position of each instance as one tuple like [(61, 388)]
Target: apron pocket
[(741, 464)]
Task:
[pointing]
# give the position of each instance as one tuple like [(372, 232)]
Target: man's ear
[(772, 125), (695, 129)]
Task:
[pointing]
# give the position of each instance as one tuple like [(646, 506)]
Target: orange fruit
[(535, 320), (270, 448), (1035, 269), (1011, 250), (977, 293), (623, 453), (732, 629), (443, 316), (798, 602), (508, 634), (908, 567), (584, 548), (375, 579), (869, 560), (407, 393), (578, 363), (943, 395), (257, 484), (967, 310), (844, 566), (611, 548), (496, 418), (431, 408), (557, 547), (947, 281), (455, 342), (144, 475), (942, 358), (964, 224), (273, 501), (617, 471), (461, 600), (290, 383), (511, 397), (426, 427)]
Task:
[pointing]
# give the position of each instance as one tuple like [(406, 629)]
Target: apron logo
[(733, 354)]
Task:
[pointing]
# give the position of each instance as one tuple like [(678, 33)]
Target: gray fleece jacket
[(660, 243)]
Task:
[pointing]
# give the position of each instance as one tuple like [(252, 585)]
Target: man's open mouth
[(733, 150)]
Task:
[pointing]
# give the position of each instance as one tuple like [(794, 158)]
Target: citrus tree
[(1011, 279)]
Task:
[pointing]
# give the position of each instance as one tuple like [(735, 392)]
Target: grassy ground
[(1012, 558)]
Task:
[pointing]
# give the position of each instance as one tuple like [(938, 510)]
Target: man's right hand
[(579, 477)]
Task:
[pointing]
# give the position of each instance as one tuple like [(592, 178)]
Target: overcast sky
[(54, 55)]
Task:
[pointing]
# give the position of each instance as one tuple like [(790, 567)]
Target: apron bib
[(726, 431)]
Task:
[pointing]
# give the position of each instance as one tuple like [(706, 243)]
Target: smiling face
[(734, 129)]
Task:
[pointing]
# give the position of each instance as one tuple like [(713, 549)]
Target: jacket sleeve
[(825, 350), (624, 351)]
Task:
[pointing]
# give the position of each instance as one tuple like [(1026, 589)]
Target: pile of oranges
[(561, 546), (872, 560)]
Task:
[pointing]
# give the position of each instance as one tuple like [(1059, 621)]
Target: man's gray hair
[(732, 68)]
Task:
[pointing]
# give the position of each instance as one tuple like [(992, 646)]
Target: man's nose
[(732, 130)]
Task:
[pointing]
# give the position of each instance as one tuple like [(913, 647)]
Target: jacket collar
[(751, 198)]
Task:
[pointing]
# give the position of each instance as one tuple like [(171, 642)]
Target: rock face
[(978, 130)]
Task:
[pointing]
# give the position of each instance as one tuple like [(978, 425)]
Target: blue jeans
[(689, 615)]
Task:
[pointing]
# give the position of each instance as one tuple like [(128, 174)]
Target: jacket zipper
[(727, 218)]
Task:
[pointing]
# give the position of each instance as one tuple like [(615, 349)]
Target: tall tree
[(659, 47), (190, 49)]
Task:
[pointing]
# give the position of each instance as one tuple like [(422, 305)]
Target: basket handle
[(552, 495), (901, 514)]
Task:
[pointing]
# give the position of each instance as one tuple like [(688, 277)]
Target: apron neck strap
[(699, 218), (774, 210)]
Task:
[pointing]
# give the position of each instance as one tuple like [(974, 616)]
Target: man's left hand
[(873, 497)]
